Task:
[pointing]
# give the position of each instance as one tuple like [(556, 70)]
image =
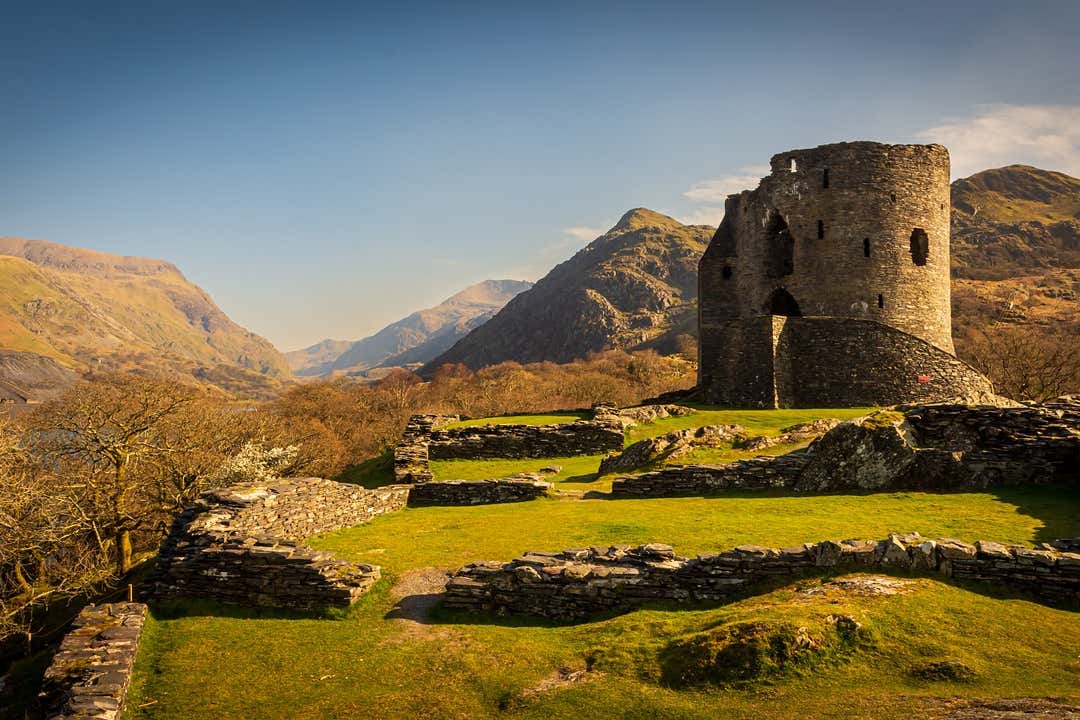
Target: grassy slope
[(206, 661)]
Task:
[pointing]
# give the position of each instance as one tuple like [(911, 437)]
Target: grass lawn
[(382, 659), (202, 661)]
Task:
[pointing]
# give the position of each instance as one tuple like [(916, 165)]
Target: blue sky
[(323, 168)]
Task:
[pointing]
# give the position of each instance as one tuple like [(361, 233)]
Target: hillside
[(89, 310), (412, 340), (624, 289), (1016, 250)]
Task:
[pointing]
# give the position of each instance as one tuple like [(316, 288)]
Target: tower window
[(866, 247), (791, 165), (780, 260), (821, 229), (892, 197), (726, 272), (880, 300), (920, 246), (825, 178)]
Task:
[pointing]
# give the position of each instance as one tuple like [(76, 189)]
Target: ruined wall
[(520, 488), (575, 584), (869, 243), (584, 437), (931, 447), (244, 545), (91, 671)]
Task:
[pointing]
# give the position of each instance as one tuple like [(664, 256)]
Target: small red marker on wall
[(924, 378)]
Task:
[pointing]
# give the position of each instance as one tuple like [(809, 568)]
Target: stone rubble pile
[(640, 414), (90, 673), (670, 446), (575, 584), (244, 545)]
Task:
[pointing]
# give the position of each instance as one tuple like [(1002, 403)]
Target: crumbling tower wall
[(831, 275)]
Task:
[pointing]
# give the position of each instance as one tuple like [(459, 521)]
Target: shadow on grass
[(174, 609), (372, 473), (580, 479), (1057, 506)]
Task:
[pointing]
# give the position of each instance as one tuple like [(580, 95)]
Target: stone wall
[(830, 362), (91, 671), (244, 545), (584, 437), (411, 452), (480, 492), (932, 447), (575, 584)]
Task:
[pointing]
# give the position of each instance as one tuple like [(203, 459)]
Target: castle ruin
[(828, 285)]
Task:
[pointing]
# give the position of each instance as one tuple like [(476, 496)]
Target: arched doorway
[(782, 303)]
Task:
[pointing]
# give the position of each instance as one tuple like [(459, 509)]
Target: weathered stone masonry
[(90, 673), (480, 492), (423, 440), (931, 447), (244, 545), (575, 584), (828, 285)]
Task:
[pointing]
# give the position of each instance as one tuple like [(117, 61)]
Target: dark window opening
[(726, 272), (825, 178), (892, 197), (782, 303), (821, 229), (791, 165), (920, 246), (780, 257), (866, 247), (880, 300)]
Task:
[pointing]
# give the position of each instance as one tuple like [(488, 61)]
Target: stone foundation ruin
[(244, 545), (573, 585), (932, 447)]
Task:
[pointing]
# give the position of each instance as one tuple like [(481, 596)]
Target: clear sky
[(322, 168)]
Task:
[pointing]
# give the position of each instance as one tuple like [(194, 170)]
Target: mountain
[(89, 310), (1012, 220), (411, 340), (1016, 251), (626, 288)]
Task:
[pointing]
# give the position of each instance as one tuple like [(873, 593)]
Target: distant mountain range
[(84, 310), (410, 341)]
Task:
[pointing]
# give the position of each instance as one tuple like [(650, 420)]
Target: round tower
[(856, 230)]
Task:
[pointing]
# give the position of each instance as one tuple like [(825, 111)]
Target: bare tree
[(1025, 363)]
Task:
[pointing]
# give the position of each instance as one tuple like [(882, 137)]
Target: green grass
[(261, 665), (203, 661)]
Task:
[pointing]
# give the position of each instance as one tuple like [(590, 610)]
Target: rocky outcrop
[(923, 447), (800, 433), (640, 414), (90, 673), (244, 545), (575, 584), (670, 446), (520, 488)]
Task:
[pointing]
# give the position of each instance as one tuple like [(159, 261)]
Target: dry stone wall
[(91, 671), (575, 584), (584, 437), (948, 446), (244, 545), (520, 488)]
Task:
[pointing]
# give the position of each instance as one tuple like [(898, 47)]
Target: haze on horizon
[(323, 169)]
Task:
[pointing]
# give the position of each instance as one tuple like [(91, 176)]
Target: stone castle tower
[(828, 285)]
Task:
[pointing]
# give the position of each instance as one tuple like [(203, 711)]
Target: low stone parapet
[(575, 584), (91, 671), (583, 437), (521, 488)]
